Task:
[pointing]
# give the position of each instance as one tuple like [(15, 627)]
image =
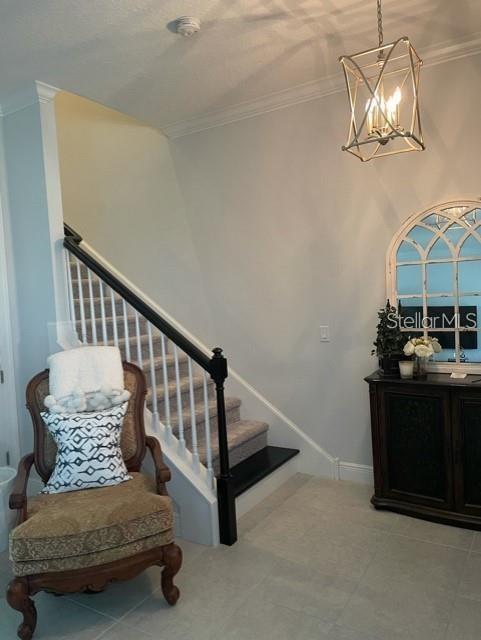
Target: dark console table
[(426, 441)]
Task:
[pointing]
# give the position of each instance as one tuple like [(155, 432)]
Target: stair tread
[(144, 339), (258, 466), (169, 360), (239, 433)]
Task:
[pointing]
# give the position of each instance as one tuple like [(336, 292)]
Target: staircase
[(246, 437), (188, 407)]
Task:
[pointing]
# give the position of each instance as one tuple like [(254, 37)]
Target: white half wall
[(31, 187)]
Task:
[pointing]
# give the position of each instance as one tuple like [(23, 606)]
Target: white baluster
[(208, 449), (81, 302), (195, 451), (179, 401), (114, 318), (139, 344), (92, 308), (105, 336), (165, 373), (70, 291), (153, 381), (126, 331)]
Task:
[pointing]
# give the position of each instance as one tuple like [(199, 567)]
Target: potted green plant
[(389, 342)]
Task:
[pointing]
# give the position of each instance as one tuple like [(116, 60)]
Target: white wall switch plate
[(324, 333)]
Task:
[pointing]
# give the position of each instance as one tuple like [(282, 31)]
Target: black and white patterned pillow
[(88, 449)]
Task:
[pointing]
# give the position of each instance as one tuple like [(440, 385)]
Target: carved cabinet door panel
[(466, 408), (415, 445)]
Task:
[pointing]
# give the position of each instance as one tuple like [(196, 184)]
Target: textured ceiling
[(122, 54)]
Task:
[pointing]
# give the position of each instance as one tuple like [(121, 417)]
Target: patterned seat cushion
[(96, 559), (84, 528)]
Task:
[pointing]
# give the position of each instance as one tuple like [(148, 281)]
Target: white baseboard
[(361, 473)]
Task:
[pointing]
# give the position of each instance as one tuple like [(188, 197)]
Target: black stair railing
[(215, 366)]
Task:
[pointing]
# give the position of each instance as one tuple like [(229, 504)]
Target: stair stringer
[(191, 489), (283, 432)]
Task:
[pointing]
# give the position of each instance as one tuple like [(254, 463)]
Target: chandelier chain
[(379, 23)]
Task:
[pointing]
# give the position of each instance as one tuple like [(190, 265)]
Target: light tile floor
[(314, 562)]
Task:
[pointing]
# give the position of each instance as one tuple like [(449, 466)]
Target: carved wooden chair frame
[(90, 579)]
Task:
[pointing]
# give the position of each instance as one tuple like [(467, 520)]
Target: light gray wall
[(120, 192), (262, 230), (291, 233)]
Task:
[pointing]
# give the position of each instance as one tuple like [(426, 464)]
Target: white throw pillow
[(88, 449)]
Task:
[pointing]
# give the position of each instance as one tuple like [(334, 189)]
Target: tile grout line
[(351, 596), (109, 616), (86, 606), (437, 544), (105, 630), (472, 543)]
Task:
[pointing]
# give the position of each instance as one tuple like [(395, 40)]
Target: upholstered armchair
[(82, 540)]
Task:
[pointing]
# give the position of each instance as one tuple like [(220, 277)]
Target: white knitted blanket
[(84, 370)]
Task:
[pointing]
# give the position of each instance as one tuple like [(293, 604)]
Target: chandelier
[(382, 87)]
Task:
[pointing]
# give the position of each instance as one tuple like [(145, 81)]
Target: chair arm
[(18, 497), (162, 471)]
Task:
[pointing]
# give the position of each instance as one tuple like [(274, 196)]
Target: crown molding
[(444, 52), (37, 92), (265, 104)]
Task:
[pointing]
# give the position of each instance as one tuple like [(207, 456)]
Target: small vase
[(406, 368), (422, 368)]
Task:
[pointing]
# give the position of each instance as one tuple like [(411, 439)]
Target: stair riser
[(241, 453)]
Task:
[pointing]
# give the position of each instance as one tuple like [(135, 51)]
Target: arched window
[(434, 275)]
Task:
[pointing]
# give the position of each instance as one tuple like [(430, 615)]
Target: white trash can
[(7, 516)]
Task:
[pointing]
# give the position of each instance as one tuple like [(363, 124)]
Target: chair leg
[(18, 599), (172, 559)]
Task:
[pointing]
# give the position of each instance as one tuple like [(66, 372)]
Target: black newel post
[(225, 488)]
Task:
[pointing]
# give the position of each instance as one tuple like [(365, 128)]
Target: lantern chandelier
[(382, 87)]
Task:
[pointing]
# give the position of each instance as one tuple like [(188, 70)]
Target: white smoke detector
[(187, 26)]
